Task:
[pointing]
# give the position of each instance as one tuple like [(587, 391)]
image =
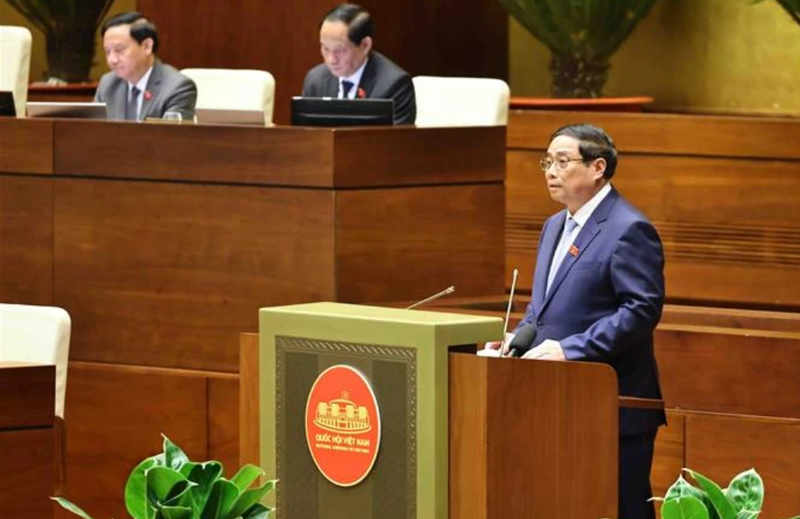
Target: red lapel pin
[(360, 93), (574, 250), (148, 95)]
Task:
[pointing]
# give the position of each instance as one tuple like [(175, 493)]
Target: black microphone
[(522, 341)]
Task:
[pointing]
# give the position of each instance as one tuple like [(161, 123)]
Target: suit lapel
[(545, 257), (585, 237), (120, 100), (367, 81), (149, 94)]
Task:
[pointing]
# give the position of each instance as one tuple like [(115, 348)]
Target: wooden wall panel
[(26, 239), (723, 192), (418, 230), (449, 38), (223, 422), (115, 416), (28, 473), (731, 371), (175, 272), (721, 446), (668, 459), (249, 400), (26, 145)]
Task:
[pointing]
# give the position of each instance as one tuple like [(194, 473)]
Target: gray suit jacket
[(167, 90), (382, 79)]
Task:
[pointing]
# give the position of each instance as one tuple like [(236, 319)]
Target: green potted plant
[(170, 486), (582, 35), (70, 28), (742, 499)]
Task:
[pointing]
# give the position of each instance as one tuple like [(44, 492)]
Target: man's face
[(574, 185), (342, 56), (127, 58)]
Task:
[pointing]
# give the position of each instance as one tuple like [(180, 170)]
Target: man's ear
[(599, 168), (366, 44), (147, 44)]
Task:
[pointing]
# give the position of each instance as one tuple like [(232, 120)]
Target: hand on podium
[(492, 348), (547, 350)]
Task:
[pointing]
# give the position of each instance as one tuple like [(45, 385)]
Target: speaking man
[(352, 69), (139, 84), (598, 292)]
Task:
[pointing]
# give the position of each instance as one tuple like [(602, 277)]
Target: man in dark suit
[(353, 70), (598, 292), (139, 85)]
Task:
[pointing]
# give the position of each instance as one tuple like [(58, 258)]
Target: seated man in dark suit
[(353, 70), (139, 85)]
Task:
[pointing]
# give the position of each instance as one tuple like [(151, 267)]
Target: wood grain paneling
[(249, 401), (27, 395), (26, 239), (26, 145), (668, 457), (169, 275), (405, 156), (223, 421), (283, 37), (233, 155), (387, 237), (731, 318), (115, 417), (731, 371), (28, 473), (720, 447)]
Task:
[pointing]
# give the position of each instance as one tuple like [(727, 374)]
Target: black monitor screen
[(7, 104), (326, 111)]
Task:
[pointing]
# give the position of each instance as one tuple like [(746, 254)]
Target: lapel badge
[(573, 250), (148, 95)]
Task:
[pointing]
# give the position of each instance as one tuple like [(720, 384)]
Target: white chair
[(37, 334), (234, 89), (461, 101), (15, 63)]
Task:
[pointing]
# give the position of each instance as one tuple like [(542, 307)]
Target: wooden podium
[(462, 436)]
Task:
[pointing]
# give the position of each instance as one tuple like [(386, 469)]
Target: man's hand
[(548, 350)]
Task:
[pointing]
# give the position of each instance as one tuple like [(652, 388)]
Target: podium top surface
[(383, 314)]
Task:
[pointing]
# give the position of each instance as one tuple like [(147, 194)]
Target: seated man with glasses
[(598, 291)]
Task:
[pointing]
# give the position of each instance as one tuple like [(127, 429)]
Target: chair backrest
[(38, 334), (461, 101), (234, 89), (15, 63)]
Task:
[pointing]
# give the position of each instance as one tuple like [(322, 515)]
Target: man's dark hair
[(358, 21), (593, 143), (141, 27)]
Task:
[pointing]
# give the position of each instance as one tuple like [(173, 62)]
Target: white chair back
[(461, 101), (37, 334), (15, 63), (234, 89)]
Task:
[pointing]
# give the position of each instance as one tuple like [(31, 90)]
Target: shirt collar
[(142, 83), (355, 78), (582, 215)]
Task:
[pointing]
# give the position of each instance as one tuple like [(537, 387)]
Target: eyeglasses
[(560, 162)]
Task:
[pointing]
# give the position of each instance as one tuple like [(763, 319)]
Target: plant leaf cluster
[(742, 499), (50, 16), (170, 486)]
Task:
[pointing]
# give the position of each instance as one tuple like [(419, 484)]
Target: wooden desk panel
[(388, 237), (28, 473), (26, 145), (27, 395), (26, 239), (168, 275)]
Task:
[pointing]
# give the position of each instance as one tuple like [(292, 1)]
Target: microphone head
[(523, 340)]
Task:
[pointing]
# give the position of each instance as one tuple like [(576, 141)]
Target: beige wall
[(702, 55), (9, 16)]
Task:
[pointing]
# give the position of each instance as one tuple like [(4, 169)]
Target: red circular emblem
[(343, 425)]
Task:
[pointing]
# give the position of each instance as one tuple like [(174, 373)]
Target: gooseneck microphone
[(437, 295), (522, 341)]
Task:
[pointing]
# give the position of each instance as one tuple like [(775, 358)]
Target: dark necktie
[(346, 86), (130, 108)]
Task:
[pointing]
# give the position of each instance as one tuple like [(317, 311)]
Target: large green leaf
[(746, 491), (747, 514), (136, 489), (245, 477), (176, 512), (257, 511), (223, 495), (203, 475), (249, 498), (165, 484), (686, 507), (72, 507), (174, 457), (721, 504)]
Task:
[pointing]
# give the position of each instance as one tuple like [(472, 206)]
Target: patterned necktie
[(561, 251), (131, 106), (346, 86)]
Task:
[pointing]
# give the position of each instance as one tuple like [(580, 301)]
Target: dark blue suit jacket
[(606, 299)]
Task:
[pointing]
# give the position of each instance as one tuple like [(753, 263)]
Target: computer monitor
[(71, 110), (326, 111), (7, 103)]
